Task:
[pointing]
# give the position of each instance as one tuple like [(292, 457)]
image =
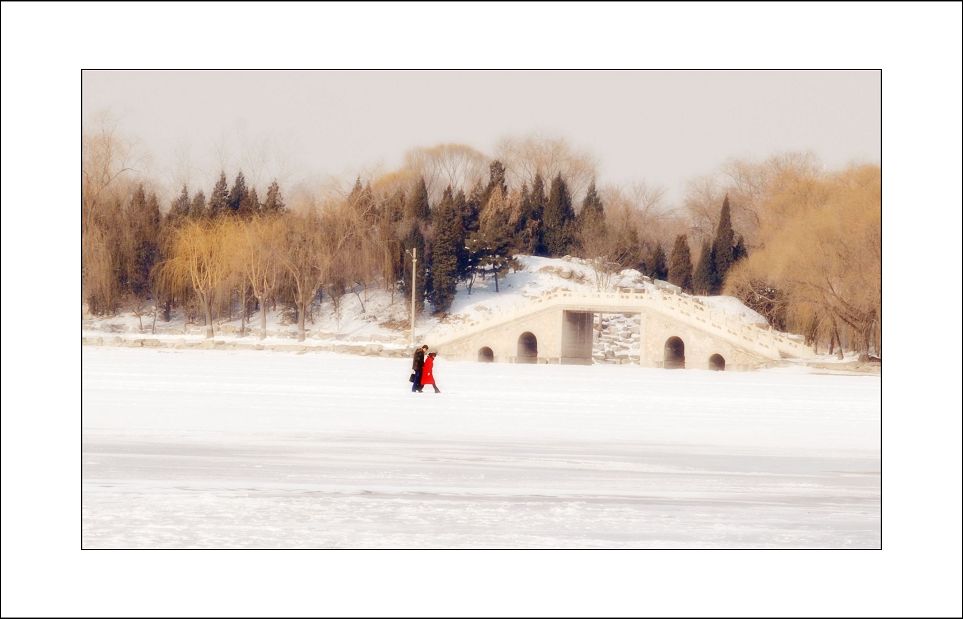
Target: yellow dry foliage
[(821, 245), (200, 256)]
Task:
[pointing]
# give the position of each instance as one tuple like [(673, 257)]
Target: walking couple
[(422, 368)]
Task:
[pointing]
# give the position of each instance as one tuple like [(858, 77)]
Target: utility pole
[(414, 273)]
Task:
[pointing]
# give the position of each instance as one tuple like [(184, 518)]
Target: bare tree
[(105, 159), (386, 239), (528, 156), (747, 183), (602, 249), (304, 261), (260, 249), (447, 165), (644, 204), (344, 255)]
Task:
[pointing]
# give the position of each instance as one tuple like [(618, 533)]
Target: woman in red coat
[(427, 372)]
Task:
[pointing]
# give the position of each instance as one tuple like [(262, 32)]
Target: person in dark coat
[(417, 363), (427, 372)]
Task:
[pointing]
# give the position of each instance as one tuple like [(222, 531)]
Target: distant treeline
[(802, 234)]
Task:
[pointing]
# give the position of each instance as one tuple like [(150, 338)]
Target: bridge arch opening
[(485, 355), (674, 356), (527, 348), (717, 362)]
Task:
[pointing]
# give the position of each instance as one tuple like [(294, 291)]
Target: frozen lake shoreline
[(188, 448)]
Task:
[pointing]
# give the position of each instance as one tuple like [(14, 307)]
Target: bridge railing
[(761, 338), (478, 325)]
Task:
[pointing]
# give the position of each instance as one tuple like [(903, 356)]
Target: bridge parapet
[(760, 339)]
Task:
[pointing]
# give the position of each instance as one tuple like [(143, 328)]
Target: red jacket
[(426, 376)]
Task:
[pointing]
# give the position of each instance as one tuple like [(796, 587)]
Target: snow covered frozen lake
[(240, 449)]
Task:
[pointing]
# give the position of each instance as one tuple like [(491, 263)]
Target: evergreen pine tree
[(520, 218), (198, 206), (538, 202), (723, 247), (680, 264), (739, 251), (490, 247), (657, 265), (152, 223), (392, 216), (417, 207), (644, 264), (181, 206), (426, 264), (414, 239), (496, 179), (591, 219), (218, 203), (127, 258), (153, 209), (558, 219), (250, 205), (356, 191), (395, 207), (471, 214), (592, 213), (237, 194), (461, 252), (273, 203), (704, 279), (446, 222), (144, 217), (473, 206)]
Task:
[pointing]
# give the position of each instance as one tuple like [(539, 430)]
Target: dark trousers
[(416, 386)]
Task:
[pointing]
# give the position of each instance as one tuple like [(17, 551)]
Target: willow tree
[(199, 256), (822, 247)]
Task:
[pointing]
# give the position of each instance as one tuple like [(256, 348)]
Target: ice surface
[(233, 449)]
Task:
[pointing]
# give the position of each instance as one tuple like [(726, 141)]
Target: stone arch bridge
[(676, 331)]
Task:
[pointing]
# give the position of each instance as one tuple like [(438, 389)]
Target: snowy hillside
[(540, 276), (376, 322)]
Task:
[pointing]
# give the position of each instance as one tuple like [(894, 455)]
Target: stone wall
[(617, 338)]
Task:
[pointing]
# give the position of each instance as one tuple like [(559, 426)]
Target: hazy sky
[(663, 127)]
